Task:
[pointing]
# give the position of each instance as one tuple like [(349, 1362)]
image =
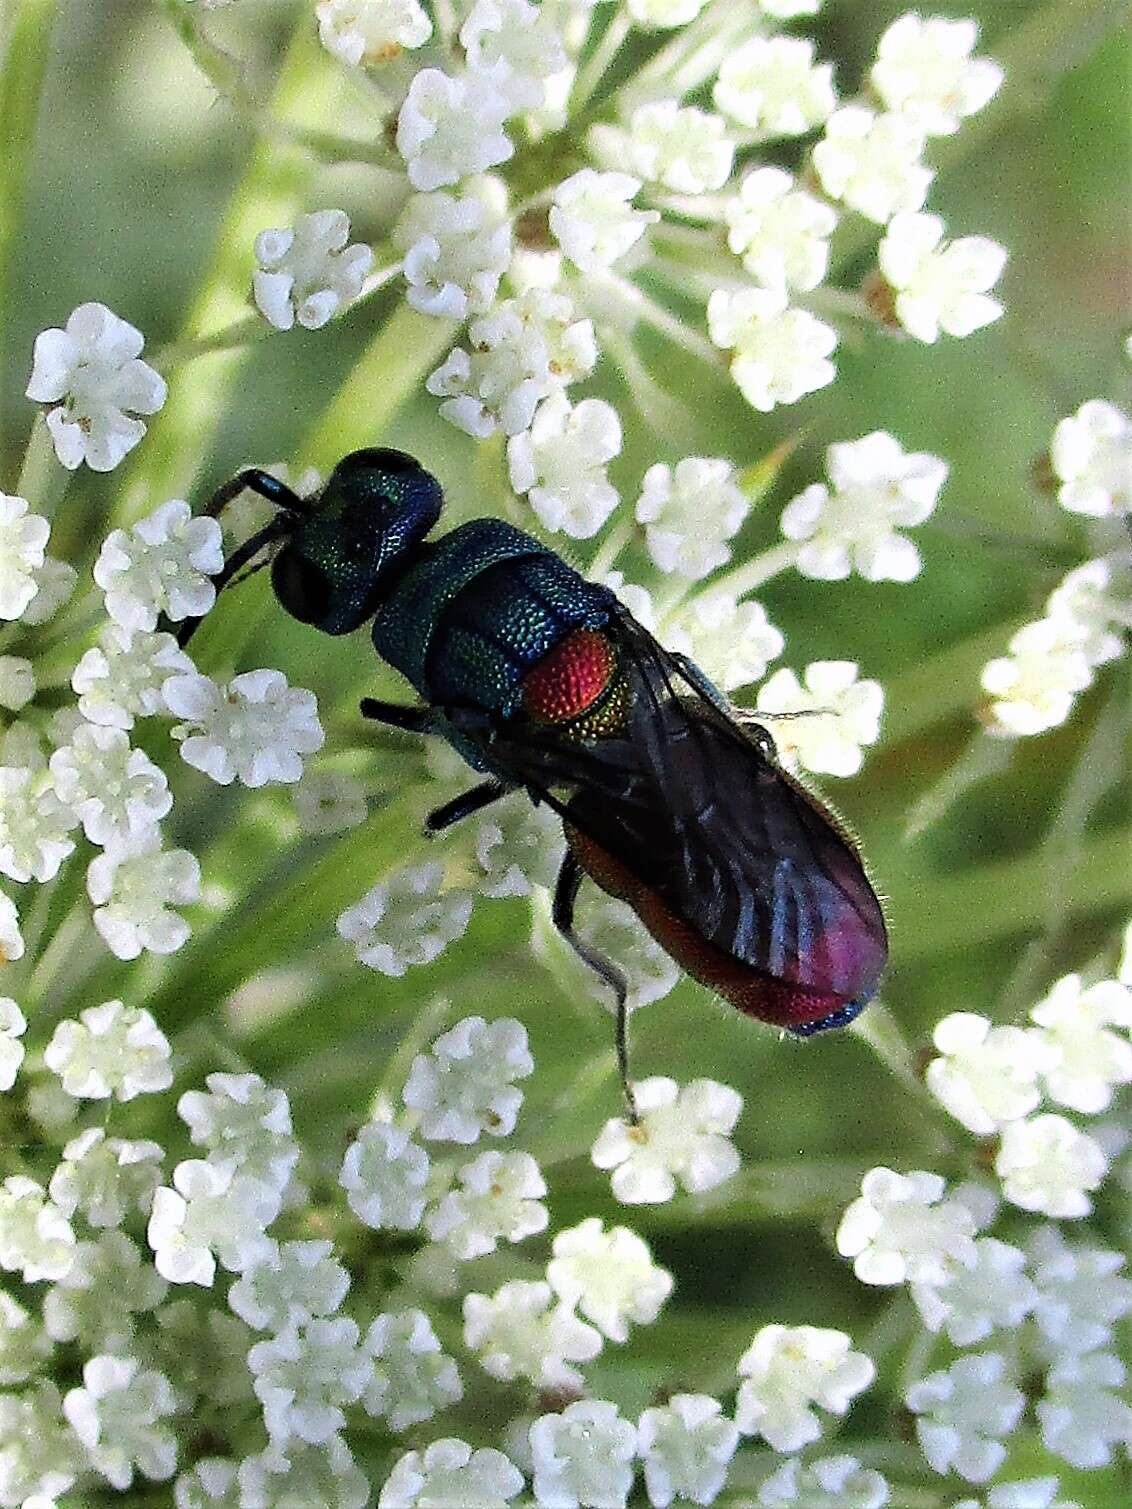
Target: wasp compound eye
[(304, 590)]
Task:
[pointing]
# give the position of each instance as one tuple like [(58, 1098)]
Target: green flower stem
[(26, 28), (598, 63), (241, 332), (755, 573), (611, 546), (649, 312), (268, 194), (43, 479)]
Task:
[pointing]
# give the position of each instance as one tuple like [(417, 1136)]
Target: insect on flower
[(670, 798)]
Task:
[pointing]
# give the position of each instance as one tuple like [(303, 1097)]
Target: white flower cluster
[(1060, 1298), (1088, 616)]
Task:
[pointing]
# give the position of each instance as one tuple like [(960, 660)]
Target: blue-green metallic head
[(338, 562)]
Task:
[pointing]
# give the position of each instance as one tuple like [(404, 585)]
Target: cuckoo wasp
[(543, 681)]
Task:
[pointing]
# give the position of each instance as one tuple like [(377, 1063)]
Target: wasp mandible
[(541, 680)]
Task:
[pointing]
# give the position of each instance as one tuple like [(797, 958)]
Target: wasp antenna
[(255, 479)]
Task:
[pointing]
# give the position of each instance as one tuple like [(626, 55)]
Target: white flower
[(370, 31), (731, 642), (963, 1413), (384, 1174), (825, 1483), (499, 1198), (986, 1075), (846, 716), (292, 1475), (1096, 602), (95, 1301), (773, 86), (872, 162), (288, 1285), (11, 939), (34, 825), (35, 1237), (55, 581), (329, 801), (680, 147), (117, 1414), (521, 38), (521, 350), (308, 272), (114, 790), (92, 371), (521, 1332), (304, 1377), (1034, 687), (938, 285), (23, 541), (789, 1369), (902, 1229), (210, 1484), (13, 1025), (412, 1377), (1088, 1060), (112, 1050), (664, 13), (17, 682), (405, 920), (39, 1454), (465, 1086), (781, 354), (24, 1348), (134, 887), (1023, 1493), (786, 10), (519, 848), (212, 1213), (583, 1456), (682, 1135), (1047, 1165), (593, 220), (243, 1121), (876, 489), (1081, 1416), (450, 128), (615, 930), (994, 1293), (456, 248), (560, 463), (162, 565), (120, 679), (1092, 459), (450, 1472), (690, 513), (781, 232), (924, 68), (609, 1276), (254, 730), (106, 1178), (685, 1446), (1081, 1292)]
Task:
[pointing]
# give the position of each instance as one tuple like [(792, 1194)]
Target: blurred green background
[(135, 176)]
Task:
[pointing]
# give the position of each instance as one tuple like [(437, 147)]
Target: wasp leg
[(257, 481), (464, 805), (241, 557), (565, 894), (414, 720), (702, 683)]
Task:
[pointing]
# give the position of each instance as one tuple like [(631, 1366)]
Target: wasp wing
[(693, 804)]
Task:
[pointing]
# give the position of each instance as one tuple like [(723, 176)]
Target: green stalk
[(25, 42), (269, 194)]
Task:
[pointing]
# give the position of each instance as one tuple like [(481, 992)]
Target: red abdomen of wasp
[(778, 1002), (570, 678)]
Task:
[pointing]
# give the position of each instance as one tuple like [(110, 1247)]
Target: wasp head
[(341, 559)]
